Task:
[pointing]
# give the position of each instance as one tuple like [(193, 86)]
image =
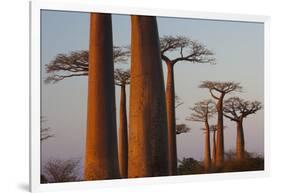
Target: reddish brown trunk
[(214, 149), (148, 126), (207, 152), (170, 102), (220, 137), (101, 159), (240, 144), (123, 136)]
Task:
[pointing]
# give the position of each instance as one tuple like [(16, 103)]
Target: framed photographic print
[(126, 95)]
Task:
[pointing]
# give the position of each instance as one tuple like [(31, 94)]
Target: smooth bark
[(220, 134), (147, 117), (123, 135), (240, 143), (101, 157), (214, 149), (170, 102), (207, 151)]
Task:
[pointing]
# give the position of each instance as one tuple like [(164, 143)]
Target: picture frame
[(35, 87)]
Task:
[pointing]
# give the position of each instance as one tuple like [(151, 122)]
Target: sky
[(238, 48)]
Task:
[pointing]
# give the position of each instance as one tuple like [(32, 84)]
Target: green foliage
[(190, 166)]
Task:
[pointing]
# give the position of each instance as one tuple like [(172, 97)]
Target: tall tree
[(187, 51), (77, 64), (101, 156), (237, 109), (202, 111), (122, 78), (213, 129), (147, 117), (218, 90)]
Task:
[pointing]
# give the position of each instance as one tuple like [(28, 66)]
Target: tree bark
[(220, 136), (147, 118), (240, 143), (170, 102), (123, 136), (214, 149), (101, 157), (207, 152)]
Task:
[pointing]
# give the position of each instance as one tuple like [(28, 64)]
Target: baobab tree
[(182, 128), (218, 90), (237, 109), (213, 129), (77, 64), (147, 117), (187, 51), (202, 111), (122, 78), (101, 156)]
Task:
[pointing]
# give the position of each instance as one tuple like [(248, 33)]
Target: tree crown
[(202, 111), (121, 77)]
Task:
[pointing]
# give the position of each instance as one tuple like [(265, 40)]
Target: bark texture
[(147, 117), (171, 115), (214, 149), (101, 157), (220, 134), (123, 135), (240, 143), (207, 151)]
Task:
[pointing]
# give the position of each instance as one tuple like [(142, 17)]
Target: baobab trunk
[(170, 102), (207, 152), (123, 136), (220, 137), (101, 159), (240, 144), (148, 120), (214, 149)]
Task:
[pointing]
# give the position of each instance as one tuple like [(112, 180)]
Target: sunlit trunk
[(240, 144), (220, 136), (214, 149), (123, 135), (101, 157), (207, 152), (147, 117), (170, 102)]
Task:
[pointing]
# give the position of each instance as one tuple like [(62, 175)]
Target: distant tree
[(182, 128), (237, 109), (213, 128), (218, 90), (186, 50), (178, 101), (122, 78), (44, 132), (61, 171), (77, 64), (190, 166), (202, 111)]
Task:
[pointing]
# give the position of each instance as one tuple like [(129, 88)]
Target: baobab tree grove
[(237, 109), (148, 148), (218, 90), (187, 51), (202, 111), (122, 78)]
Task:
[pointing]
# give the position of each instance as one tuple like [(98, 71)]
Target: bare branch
[(202, 111), (121, 77)]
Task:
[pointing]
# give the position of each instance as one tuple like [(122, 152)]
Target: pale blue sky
[(239, 51)]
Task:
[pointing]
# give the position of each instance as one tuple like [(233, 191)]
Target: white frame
[(86, 6)]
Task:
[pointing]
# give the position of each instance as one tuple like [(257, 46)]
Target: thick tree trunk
[(170, 102), (240, 143), (123, 136), (220, 137), (214, 149), (148, 120), (207, 151), (101, 159)]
